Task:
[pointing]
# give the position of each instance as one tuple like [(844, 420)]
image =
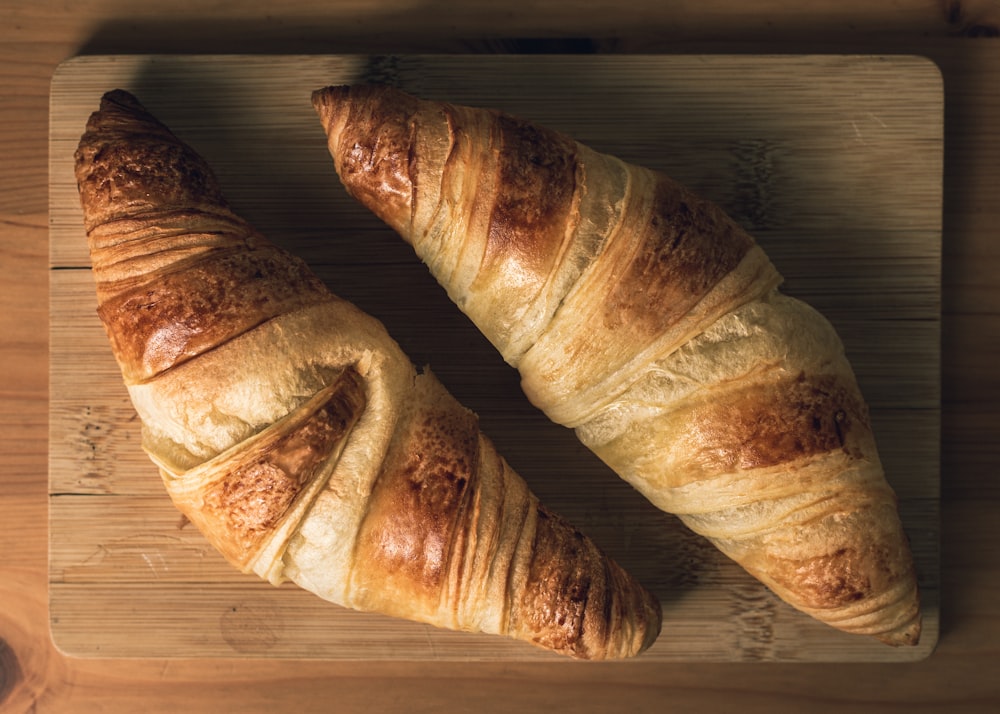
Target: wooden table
[(35, 37)]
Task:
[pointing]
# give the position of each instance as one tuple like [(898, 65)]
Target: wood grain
[(809, 152), (959, 678)]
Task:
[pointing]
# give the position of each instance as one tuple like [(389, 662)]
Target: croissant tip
[(317, 96), (120, 97), (323, 95), (907, 635), (324, 101), (117, 105)]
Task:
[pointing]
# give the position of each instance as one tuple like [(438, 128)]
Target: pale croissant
[(647, 320), (292, 431)]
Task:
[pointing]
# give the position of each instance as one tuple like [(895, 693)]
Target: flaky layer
[(294, 433), (648, 320)]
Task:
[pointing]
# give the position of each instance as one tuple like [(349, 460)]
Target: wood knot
[(956, 16), (251, 627), (10, 671)]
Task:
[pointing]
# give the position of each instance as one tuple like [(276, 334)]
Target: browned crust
[(527, 201), (430, 537), (686, 245), (573, 600), (535, 187), (139, 183), (128, 162), (769, 423), (556, 600), (375, 157), (664, 268), (853, 576), (166, 319), (416, 517), (417, 539), (839, 578), (246, 504)]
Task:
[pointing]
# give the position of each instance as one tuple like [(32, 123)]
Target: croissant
[(293, 432), (648, 321)]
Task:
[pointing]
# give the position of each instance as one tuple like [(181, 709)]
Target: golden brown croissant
[(647, 320), (290, 428)]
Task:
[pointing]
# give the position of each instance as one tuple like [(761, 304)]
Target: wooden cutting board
[(833, 163)]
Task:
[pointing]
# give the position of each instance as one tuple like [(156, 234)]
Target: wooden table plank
[(833, 162)]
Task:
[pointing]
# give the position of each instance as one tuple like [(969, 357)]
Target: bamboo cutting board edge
[(788, 637)]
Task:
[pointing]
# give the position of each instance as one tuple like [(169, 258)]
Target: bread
[(646, 319), (293, 432)]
